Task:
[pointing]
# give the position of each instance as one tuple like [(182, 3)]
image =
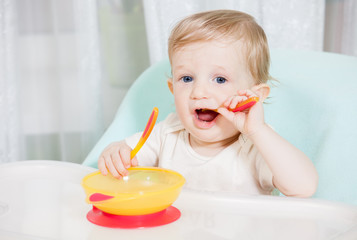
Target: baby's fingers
[(236, 100), (102, 167), (118, 164), (134, 162), (236, 118), (110, 165), (232, 101), (225, 113), (125, 157), (247, 92)]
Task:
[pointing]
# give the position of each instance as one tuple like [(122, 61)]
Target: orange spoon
[(241, 106), (149, 126), (245, 104)]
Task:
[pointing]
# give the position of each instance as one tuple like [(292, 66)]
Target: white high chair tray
[(44, 200)]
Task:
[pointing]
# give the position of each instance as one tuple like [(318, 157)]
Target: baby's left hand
[(248, 121)]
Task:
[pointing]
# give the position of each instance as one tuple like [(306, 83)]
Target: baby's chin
[(211, 137)]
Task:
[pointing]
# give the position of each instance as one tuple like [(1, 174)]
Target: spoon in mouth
[(240, 106)]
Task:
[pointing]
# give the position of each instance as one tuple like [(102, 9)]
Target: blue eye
[(187, 79), (220, 80)]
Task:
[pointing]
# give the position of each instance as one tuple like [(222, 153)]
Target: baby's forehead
[(238, 44), (209, 54), (234, 47)]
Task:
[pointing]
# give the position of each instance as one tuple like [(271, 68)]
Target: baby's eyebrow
[(179, 67), (220, 68)]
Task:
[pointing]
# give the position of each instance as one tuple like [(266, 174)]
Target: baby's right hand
[(116, 159)]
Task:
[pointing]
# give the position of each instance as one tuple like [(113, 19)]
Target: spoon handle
[(149, 126), (245, 104)]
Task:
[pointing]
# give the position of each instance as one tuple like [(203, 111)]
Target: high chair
[(313, 104)]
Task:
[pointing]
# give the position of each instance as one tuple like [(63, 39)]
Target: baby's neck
[(210, 149)]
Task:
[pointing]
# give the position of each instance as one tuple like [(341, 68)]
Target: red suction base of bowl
[(163, 217)]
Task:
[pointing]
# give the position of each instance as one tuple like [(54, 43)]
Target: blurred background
[(65, 65)]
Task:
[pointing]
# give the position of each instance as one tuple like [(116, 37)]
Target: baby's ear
[(262, 90), (170, 85)]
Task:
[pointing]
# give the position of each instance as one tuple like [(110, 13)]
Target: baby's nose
[(200, 90)]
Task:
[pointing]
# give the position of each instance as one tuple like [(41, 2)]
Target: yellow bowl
[(145, 190)]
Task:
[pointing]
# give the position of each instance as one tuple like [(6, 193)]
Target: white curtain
[(64, 67), (50, 75), (9, 116), (298, 24), (341, 27)]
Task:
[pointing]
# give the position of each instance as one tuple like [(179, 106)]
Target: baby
[(218, 59)]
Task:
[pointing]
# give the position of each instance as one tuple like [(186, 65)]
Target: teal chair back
[(313, 105)]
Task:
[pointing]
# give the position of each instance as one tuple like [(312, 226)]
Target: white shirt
[(239, 167)]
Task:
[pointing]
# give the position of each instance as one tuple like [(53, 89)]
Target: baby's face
[(204, 75)]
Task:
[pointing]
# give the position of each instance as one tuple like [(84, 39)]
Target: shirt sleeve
[(265, 176), (259, 167)]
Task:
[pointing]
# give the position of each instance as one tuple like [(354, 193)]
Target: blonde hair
[(226, 25)]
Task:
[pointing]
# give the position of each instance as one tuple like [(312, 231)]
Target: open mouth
[(206, 115)]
